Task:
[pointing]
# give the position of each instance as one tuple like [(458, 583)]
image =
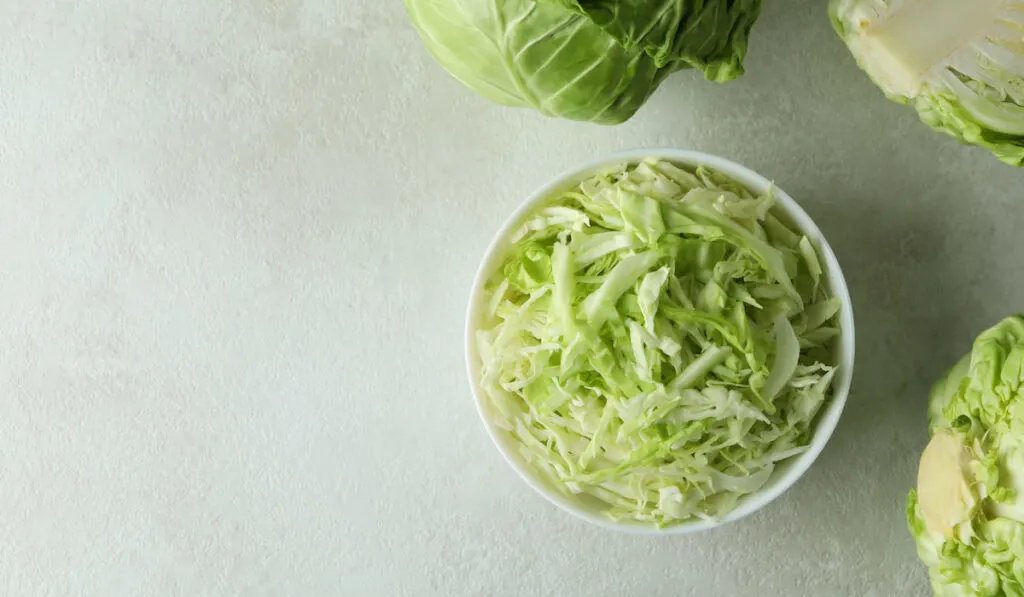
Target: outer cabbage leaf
[(959, 64), (710, 36), (991, 395), (943, 391), (596, 62), (1002, 133)]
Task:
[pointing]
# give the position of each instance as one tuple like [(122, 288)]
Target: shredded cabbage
[(657, 339)]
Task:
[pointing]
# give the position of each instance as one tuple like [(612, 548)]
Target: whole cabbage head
[(959, 63), (967, 514), (589, 60)]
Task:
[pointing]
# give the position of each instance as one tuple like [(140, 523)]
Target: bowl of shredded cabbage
[(660, 341)]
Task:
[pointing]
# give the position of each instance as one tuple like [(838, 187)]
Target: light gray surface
[(237, 238)]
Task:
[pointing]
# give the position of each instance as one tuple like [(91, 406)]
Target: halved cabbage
[(959, 63), (967, 513)]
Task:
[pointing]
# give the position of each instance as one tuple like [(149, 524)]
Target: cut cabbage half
[(959, 63)]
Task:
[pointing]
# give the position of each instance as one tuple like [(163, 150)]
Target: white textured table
[(236, 239)]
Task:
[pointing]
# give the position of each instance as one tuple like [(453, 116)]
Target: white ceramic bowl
[(787, 472)]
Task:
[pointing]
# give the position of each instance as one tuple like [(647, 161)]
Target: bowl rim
[(828, 419)]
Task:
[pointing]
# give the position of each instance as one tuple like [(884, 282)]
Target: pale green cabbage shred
[(655, 340)]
